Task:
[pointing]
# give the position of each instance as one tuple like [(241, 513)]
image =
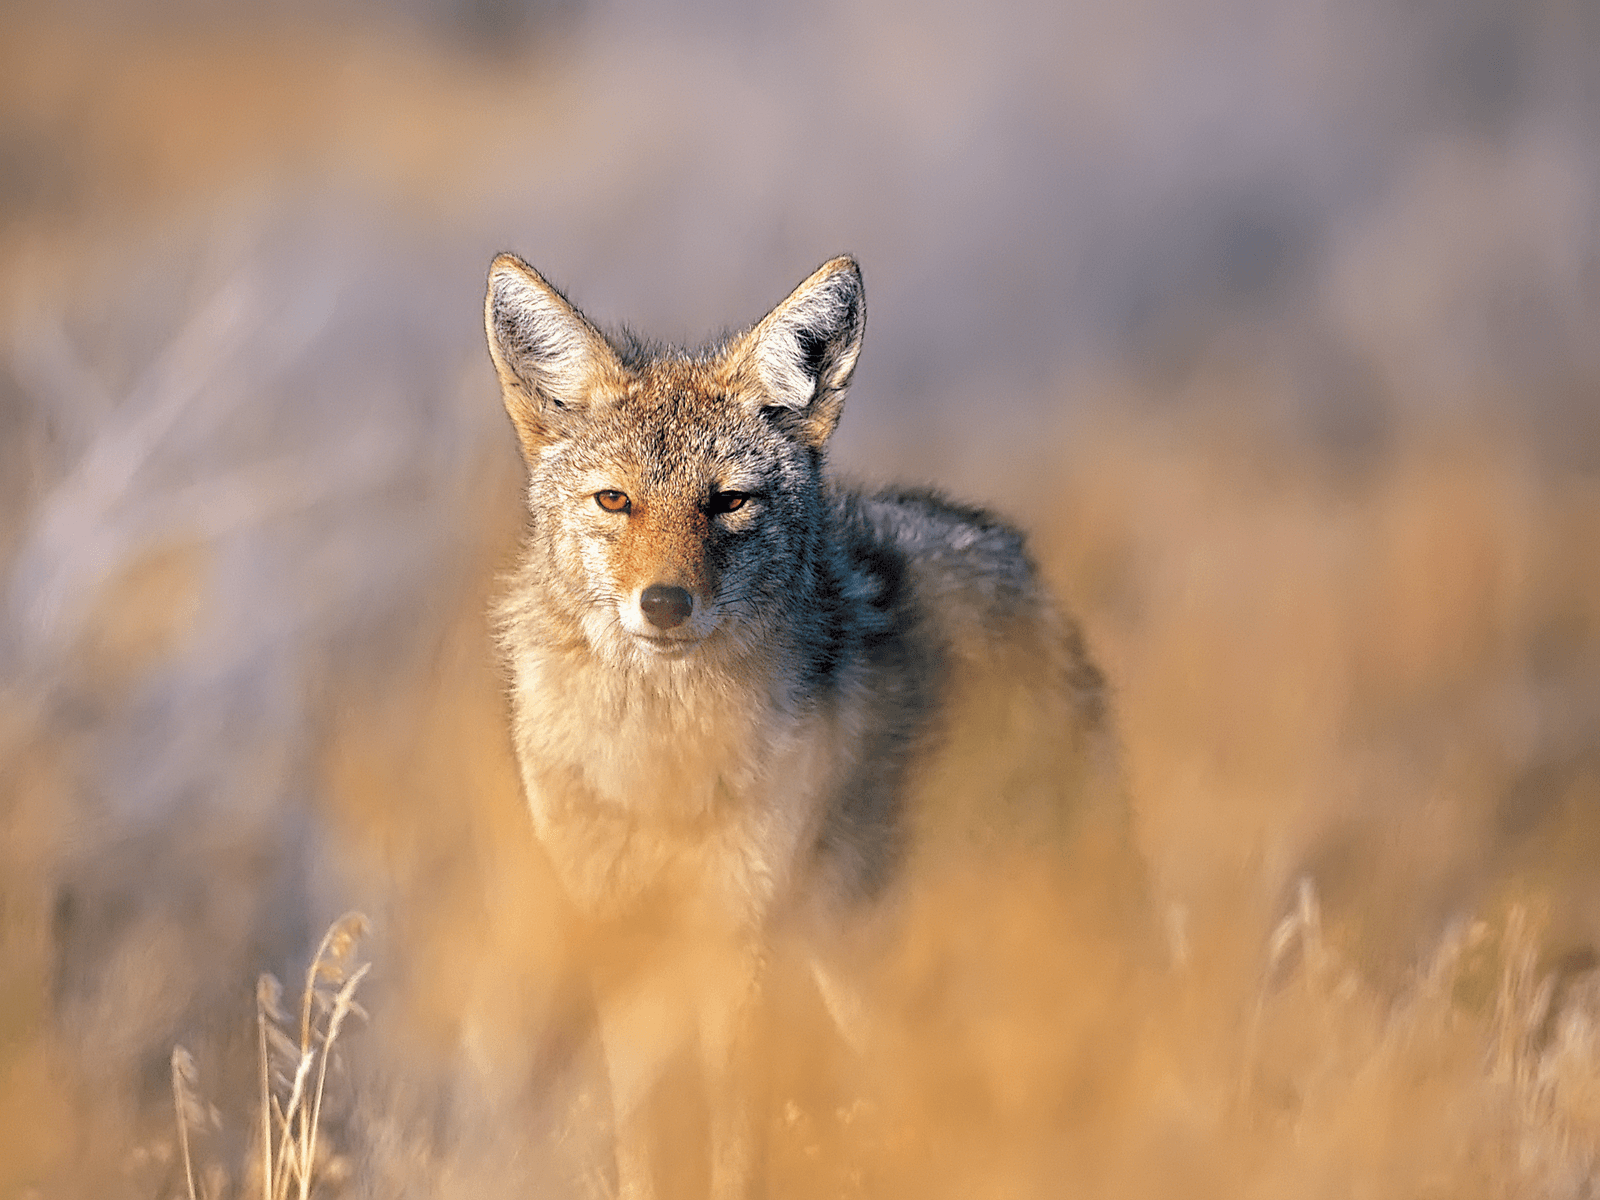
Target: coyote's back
[(751, 704)]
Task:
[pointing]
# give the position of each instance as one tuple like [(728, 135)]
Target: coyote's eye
[(612, 500), (726, 502)]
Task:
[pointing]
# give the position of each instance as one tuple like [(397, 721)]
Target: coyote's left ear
[(804, 351)]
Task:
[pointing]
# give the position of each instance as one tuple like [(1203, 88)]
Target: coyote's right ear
[(547, 355)]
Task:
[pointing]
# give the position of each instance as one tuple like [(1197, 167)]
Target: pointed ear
[(803, 352), (546, 353)]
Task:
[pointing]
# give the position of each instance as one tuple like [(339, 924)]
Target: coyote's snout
[(666, 606), (746, 697)]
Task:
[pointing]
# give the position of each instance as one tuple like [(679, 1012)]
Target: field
[(1330, 523)]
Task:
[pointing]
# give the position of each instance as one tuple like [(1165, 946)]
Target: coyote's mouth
[(670, 647)]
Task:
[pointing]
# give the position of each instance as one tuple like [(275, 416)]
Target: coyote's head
[(675, 496)]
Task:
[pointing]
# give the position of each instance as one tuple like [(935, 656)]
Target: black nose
[(666, 607)]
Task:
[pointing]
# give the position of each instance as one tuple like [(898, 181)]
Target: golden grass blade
[(185, 1079), (344, 1005), (332, 962), (294, 1116), (269, 1010), (333, 966)]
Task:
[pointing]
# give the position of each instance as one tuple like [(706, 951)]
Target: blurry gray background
[(1389, 204)]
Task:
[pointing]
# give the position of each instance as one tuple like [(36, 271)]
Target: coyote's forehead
[(676, 423), (669, 376)]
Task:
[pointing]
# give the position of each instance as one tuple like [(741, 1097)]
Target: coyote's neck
[(671, 741)]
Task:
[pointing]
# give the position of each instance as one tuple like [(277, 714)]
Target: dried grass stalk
[(293, 1073)]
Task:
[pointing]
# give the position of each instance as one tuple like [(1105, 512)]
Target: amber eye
[(726, 502), (612, 500)]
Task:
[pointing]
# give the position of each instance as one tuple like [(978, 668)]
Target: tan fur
[(861, 687)]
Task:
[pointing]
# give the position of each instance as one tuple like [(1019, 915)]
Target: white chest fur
[(680, 782)]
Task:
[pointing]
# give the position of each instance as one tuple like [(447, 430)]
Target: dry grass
[(288, 1153), (1351, 712)]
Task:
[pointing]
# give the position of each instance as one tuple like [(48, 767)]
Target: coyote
[(748, 699)]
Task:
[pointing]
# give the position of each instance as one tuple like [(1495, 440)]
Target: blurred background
[(1276, 324)]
